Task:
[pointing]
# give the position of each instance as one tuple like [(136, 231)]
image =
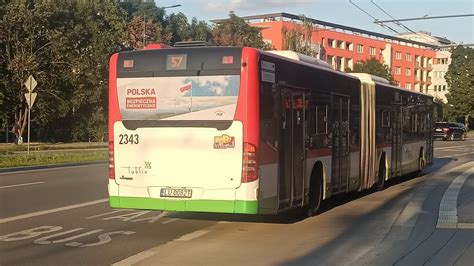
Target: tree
[(200, 31), (25, 49), (236, 32), (143, 9), (178, 27), (160, 27), (65, 45), (460, 79), (298, 39), (153, 33), (374, 67)]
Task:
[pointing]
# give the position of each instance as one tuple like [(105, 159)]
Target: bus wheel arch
[(316, 189)]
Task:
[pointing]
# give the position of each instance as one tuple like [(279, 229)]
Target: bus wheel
[(421, 164), (381, 181), (315, 196)]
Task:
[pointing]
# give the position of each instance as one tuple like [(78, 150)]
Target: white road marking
[(34, 214), (450, 147), (103, 214), (448, 208), (170, 221), (151, 252), (21, 185), (454, 155), (193, 235)]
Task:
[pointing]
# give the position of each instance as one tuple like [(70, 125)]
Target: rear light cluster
[(249, 163), (111, 160)]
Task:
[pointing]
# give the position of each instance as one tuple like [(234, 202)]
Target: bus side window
[(385, 118), (321, 117), (268, 124)]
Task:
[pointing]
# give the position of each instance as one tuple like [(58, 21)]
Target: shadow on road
[(299, 215)]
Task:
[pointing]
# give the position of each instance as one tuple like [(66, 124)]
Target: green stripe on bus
[(228, 206)]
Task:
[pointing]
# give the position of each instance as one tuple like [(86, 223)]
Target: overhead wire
[(398, 23), (367, 13)]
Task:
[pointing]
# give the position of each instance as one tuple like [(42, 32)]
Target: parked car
[(449, 131), (461, 125)]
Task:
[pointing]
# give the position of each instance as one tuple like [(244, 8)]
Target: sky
[(459, 30)]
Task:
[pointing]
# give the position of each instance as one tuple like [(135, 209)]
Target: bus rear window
[(178, 98)]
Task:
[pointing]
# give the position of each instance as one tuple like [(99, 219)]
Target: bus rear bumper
[(196, 205)]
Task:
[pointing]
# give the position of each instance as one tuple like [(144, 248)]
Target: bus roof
[(306, 63), (383, 82)]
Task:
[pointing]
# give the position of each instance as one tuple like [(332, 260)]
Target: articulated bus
[(239, 130)]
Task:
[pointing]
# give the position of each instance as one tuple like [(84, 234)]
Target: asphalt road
[(60, 216)]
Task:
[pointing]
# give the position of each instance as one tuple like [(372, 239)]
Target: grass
[(9, 159), (7, 148)]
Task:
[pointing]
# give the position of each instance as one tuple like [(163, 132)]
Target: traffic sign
[(32, 97), (31, 83)]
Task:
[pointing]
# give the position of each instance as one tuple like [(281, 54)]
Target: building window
[(340, 44), (435, 87), (444, 87), (442, 61), (407, 86), (372, 50), (407, 72), (360, 48), (439, 74), (408, 57), (397, 70), (398, 55), (330, 43), (350, 46)]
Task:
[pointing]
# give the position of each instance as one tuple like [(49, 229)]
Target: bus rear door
[(292, 153)]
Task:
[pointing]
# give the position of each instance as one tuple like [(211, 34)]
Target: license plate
[(176, 192), (438, 129)]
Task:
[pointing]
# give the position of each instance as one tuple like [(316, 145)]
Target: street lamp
[(144, 22), (165, 7)]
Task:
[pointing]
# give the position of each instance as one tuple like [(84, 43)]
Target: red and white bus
[(239, 130)]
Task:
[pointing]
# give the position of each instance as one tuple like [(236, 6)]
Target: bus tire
[(421, 164), (315, 191), (381, 182)]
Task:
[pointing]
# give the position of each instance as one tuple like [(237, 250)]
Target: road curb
[(49, 166)]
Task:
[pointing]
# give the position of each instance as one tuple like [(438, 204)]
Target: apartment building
[(412, 62), (439, 87)]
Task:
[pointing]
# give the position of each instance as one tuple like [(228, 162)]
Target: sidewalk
[(435, 228)]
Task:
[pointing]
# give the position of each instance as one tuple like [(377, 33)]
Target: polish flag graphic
[(186, 87)]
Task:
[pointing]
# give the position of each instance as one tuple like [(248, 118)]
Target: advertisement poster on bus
[(178, 98)]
